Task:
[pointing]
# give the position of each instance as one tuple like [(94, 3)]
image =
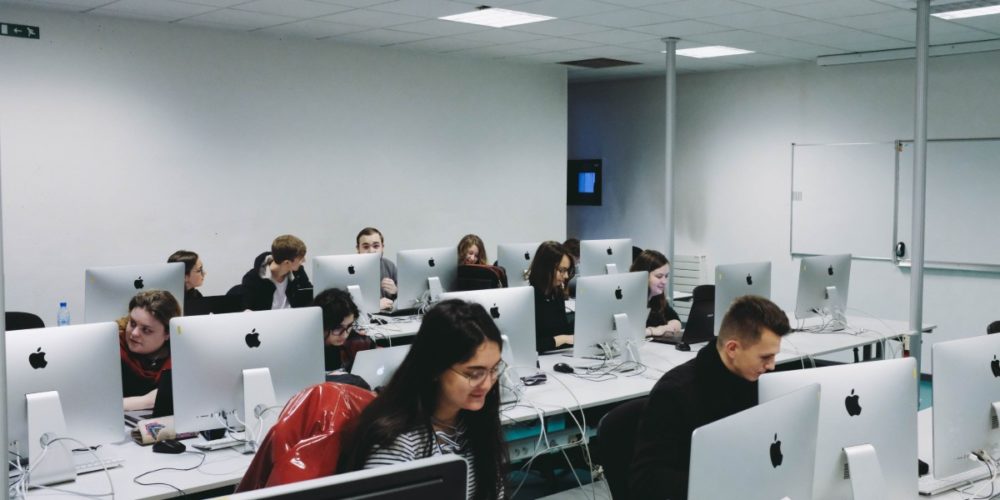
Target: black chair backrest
[(701, 319), (480, 277), (235, 291), (22, 321), (616, 444)]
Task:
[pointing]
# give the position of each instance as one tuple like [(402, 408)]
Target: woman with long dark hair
[(548, 274), (662, 319), (444, 398)]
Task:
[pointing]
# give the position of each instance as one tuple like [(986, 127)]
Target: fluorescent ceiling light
[(960, 14), (711, 51), (496, 18)]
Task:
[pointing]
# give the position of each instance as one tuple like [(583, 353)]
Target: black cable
[(182, 492)]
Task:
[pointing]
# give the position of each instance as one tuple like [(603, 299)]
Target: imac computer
[(424, 275), (866, 445), (776, 445), (377, 366), (441, 477), (62, 382), (230, 369), (513, 311), (966, 400), (736, 280), (107, 290), (599, 257), (358, 273), (823, 282), (515, 258), (611, 315)]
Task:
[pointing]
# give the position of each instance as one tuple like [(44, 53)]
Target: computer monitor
[(823, 283), (966, 399), (610, 311), (107, 290), (357, 273), (599, 257), (513, 311), (424, 275), (441, 477), (65, 382), (377, 366), (515, 258), (736, 280), (776, 445), (229, 368), (867, 427)]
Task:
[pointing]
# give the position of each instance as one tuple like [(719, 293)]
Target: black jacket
[(691, 395), (258, 291), (658, 317), (550, 320)]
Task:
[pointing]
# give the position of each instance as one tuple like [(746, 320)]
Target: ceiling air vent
[(599, 63)]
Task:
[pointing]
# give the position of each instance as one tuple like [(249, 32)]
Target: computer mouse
[(683, 346), (562, 368), (169, 446)]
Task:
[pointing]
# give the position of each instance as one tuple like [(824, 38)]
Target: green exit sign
[(19, 30)]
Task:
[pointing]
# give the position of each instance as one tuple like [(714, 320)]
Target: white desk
[(395, 328), (800, 345)]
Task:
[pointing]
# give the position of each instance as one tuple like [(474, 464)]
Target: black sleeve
[(662, 450), (255, 295), (669, 314), (302, 295), (550, 320)]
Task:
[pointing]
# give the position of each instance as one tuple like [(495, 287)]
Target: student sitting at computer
[(370, 240), (444, 398), (720, 381), (277, 279), (662, 319), (471, 250), (144, 345), (547, 274), (194, 272), (341, 340), (573, 245)]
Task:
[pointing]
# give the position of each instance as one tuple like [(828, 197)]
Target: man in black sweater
[(720, 381)]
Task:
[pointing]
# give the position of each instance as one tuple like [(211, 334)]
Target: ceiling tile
[(637, 3), (154, 9), (840, 8), (302, 9), (446, 44), (374, 19), (941, 32), (985, 23), (625, 18), (564, 9), (214, 3), (551, 44), (439, 28), (237, 19), (66, 5), (548, 57), (793, 30), (790, 48), (680, 28), (501, 35), (689, 9), (314, 29), (734, 38), (502, 51), (358, 4), (770, 4), (880, 20), (431, 9), (614, 36), (657, 46), (754, 19), (856, 41), (608, 51), (558, 27), (379, 37), (757, 59)]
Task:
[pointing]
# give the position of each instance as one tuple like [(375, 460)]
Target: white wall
[(734, 158), (122, 141)]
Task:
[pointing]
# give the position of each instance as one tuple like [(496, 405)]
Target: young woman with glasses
[(444, 398), (341, 339), (549, 272)]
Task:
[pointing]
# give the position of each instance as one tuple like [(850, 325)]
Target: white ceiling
[(779, 31)]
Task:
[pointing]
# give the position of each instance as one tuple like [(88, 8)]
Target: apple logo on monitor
[(830, 271), (430, 262), (495, 311), (852, 404), (776, 456), (350, 269), (253, 339), (37, 359), (527, 256), (610, 252), (618, 293), (138, 283), (995, 366), (749, 280), (380, 371)]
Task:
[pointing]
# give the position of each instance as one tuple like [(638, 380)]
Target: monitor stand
[(865, 473), (359, 300), (630, 350), (838, 321), (258, 398), (508, 382), (435, 289), (46, 422), (611, 268)]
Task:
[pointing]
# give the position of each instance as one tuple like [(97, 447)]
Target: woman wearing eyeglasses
[(341, 340), (194, 272), (549, 272), (443, 399)]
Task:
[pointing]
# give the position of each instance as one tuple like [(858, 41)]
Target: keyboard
[(86, 462), (218, 444), (929, 485)]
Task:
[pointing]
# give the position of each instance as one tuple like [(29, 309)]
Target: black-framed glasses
[(476, 376), (341, 329)]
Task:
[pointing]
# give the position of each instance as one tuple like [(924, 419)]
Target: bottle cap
[(62, 304)]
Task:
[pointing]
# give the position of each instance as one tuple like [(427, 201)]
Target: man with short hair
[(277, 279), (720, 381), (370, 240)]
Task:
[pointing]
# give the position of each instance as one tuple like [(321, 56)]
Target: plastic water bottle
[(62, 319)]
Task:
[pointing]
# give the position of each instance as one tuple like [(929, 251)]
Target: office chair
[(22, 321), (480, 277), (701, 318), (616, 444)]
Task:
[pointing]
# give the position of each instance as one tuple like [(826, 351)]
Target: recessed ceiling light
[(496, 18), (711, 51), (960, 14)]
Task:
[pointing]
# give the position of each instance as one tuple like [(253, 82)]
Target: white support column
[(919, 184), (5, 481), (670, 115)]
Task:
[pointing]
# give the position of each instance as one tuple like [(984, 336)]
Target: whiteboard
[(962, 229), (843, 199)]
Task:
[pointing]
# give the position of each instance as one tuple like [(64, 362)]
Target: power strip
[(524, 449)]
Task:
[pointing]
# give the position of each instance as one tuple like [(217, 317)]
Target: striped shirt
[(417, 443)]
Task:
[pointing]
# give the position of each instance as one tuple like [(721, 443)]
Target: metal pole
[(5, 482), (670, 116), (919, 184)]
